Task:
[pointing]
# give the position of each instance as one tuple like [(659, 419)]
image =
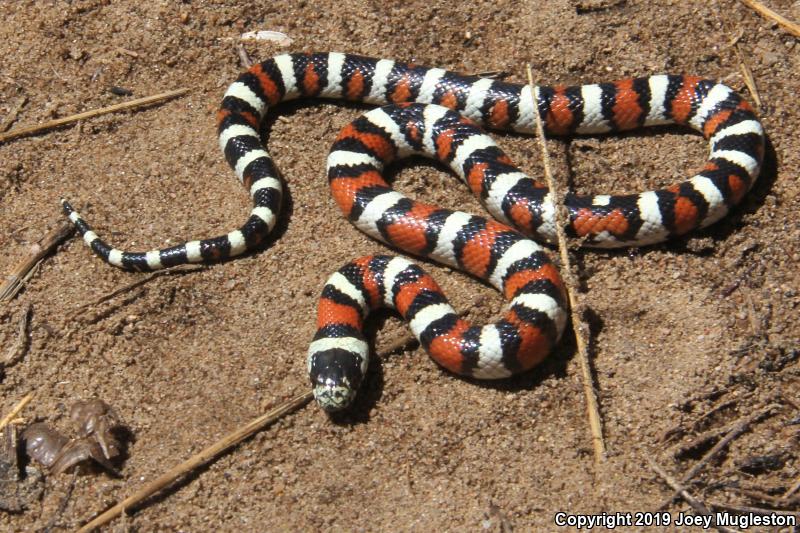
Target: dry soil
[(687, 337)]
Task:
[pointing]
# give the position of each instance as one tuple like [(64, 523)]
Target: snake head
[(335, 375)]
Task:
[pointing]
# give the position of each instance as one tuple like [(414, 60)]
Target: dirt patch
[(688, 337)]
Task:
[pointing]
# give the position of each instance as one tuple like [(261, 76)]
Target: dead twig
[(14, 281), (716, 409), (695, 425), (566, 267), (700, 441), (17, 351), (226, 443), (737, 430), (63, 505), (12, 115), (16, 410), (27, 130), (399, 344), (706, 396), (753, 510), (794, 488), (766, 12), (697, 505), (707, 436), (758, 494)]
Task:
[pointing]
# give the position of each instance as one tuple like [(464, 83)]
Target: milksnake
[(435, 113)]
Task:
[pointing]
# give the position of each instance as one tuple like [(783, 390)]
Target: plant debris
[(96, 423)]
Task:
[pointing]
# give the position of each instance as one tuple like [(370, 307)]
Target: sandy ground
[(687, 338)]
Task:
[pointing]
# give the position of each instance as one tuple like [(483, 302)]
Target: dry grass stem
[(737, 430), (16, 352), (747, 74), (15, 280), (593, 411), (12, 415), (139, 102), (696, 504), (12, 115), (764, 11)]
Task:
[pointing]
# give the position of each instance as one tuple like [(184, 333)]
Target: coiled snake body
[(434, 113)]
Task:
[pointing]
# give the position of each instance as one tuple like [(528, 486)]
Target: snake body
[(436, 113)]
